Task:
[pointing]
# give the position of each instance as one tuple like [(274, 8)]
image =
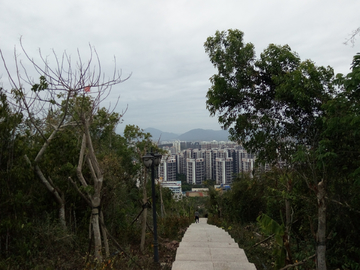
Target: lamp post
[(152, 160)]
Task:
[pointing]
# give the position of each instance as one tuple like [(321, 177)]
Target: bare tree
[(352, 37), (60, 84)]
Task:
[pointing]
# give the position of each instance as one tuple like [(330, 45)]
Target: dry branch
[(263, 241), (298, 263)]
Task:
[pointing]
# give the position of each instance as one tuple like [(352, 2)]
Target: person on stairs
[(196, 217)]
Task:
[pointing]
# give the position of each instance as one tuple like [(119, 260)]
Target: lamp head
[(147, 160), (157, 159)]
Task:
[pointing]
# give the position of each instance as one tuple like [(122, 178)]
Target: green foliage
[(30, 234), (172, 226), (242, 203), (43, 85), (288, 110), (185, 186), (25, 200), (103, 128), (209, 183), (340, 143), (279, 106), (253, 199), (271, 227), (270, 104), (138, 144)]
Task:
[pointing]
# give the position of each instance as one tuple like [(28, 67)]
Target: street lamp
[(152, 160)]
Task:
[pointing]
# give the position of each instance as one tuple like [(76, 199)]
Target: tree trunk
[(144, 216), (97, 177), (321, 231), (104, 235), (161, 203), (288, 223), (288, 215), (93, 199), (143, 230), (52, 188), (59, 196), (62, 215), (97, 235)]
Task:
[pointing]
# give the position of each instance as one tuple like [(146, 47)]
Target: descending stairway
[(207, 247)]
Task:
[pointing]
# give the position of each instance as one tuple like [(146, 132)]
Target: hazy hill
[(204, 135), (164, 136), (190, 136)]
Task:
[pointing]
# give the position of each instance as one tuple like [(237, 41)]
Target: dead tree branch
[(298, 263)]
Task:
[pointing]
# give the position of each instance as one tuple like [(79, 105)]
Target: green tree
[(64, 89), (15, 200), (139, 143), (338, 155), (272, 105)]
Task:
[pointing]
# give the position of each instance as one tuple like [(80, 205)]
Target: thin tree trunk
[(104, 235), (144, 215), (162, 203), (7, 243), (97, 177), (143, 230), (53, 190), (59, 196), (321, 231), (288, 222), (288, 215), (97, 235), (62, 215)]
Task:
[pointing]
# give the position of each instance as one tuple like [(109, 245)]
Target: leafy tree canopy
[(270, 104)]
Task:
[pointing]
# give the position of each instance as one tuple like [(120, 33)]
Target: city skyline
[(205, 161)]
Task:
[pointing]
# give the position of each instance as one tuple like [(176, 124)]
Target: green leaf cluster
[(271, 227), (43, 85)]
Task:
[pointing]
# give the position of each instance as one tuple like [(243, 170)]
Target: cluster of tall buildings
[(219, 161)]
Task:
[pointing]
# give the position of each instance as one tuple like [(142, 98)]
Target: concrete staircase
[(207, 247)]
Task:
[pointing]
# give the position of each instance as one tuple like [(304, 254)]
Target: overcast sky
[(160, 42)]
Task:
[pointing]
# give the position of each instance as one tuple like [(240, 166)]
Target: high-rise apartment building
[(188, 153), (223, 153), (214, 156), (247, 163), (208, 164), (196, 153), (214, 144), (167, 168), (177, 146), (190, 171), (181, 163), (224, 171), (199, 171)]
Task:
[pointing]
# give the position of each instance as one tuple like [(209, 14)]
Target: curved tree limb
[(298, 263)]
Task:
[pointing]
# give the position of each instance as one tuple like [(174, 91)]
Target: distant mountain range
[(190, 136)]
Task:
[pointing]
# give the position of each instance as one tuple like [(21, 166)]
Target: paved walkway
[(207, 247)]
